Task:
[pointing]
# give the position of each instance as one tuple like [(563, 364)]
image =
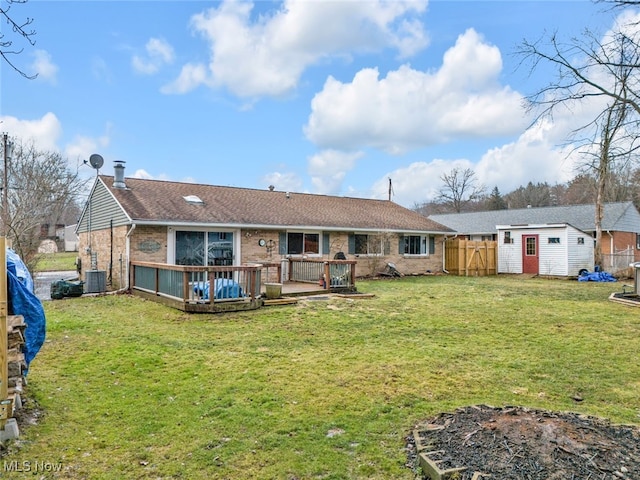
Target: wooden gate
[(471, 258)]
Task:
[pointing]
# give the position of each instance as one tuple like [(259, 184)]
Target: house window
[(220, 248), (580, 240), (368, 245), (638, 241), (507, 237), (417, 245), (554, 240), (190, 248), (204, 248), (299, 243)]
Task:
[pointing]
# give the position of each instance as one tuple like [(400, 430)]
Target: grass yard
[(52, 262), (320, 390)]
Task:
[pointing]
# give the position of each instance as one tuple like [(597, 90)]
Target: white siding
[(509, 254), (101, 211), (553, 256), (580, 255)]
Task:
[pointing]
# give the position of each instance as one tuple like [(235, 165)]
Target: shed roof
[(164, 202), (621, 216)]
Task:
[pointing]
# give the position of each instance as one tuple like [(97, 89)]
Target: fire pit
[(518, 443)]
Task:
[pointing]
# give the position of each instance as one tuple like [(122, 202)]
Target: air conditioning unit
[(96, 281)]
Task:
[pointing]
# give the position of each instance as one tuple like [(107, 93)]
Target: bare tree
[(459, 188), (588, 68), (19, 29), (40, 187)]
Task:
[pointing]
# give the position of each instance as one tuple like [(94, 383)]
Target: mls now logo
[(33, 467)]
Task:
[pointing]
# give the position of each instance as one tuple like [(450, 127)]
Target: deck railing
[(325, 273), (193, 284)]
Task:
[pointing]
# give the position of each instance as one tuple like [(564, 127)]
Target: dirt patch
[(27, 416), (518, 443)]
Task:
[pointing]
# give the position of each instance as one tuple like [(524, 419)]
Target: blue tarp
[(596, 277), (23, 301), (223, 288)]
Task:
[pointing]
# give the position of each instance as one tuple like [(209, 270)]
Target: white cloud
[(267, 55), (535, 156), (158, 54), (143, 174), (44, 132), (44, 67), (411, 109), (418, 182), (191, 76), (100, 70), (285, 182), (82, 147), (328, 169)]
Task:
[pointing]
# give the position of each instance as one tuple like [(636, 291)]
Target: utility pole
[(5, 407), (5, 182)]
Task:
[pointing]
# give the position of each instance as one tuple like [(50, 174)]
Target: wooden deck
[(235, 288)]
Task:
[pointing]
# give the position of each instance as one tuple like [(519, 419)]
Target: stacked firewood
[(16, 364)]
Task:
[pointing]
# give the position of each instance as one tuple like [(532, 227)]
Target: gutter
[(610, 241)]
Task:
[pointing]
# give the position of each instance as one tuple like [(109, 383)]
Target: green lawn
[(49, 262), (319, 390)]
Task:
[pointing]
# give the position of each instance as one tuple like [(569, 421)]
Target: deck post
[(353, 274), (327, 276), (211, 278), (253, 281)]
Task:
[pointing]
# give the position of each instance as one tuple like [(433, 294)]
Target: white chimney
[(118, 181)]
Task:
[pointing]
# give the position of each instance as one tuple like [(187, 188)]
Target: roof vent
[(193, 199), (118, 168)]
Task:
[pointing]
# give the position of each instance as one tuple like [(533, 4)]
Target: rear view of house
[(138, 220)]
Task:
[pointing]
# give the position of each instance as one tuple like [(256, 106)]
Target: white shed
[(548, 249)]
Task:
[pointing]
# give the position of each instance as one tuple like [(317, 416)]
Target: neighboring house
[(68, 236), (620, 234), (176, 223)]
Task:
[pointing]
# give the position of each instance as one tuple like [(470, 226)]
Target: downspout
[(110, 275), (127, 251), (611, 246)]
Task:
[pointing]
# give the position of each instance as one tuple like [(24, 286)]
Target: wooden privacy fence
[(471, 258)]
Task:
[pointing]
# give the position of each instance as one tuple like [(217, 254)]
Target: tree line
[(461, 193)]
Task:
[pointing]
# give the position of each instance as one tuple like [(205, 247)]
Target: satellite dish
[(96, 161)]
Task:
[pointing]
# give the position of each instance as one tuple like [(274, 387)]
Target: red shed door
[(530, 256)]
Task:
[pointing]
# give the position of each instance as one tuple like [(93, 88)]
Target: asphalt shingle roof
[(616, 217), (156, 201)]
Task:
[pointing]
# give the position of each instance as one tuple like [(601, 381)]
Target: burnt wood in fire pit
[(518, 443)]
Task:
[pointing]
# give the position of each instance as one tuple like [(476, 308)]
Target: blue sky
[(331, 97)]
